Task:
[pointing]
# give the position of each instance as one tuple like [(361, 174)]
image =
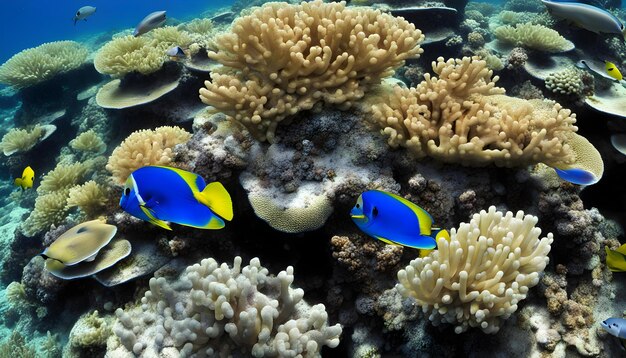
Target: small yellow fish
[(616, 259), (27, 179), (612, 70)]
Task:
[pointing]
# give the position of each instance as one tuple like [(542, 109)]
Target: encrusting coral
[(478, 278), (462, 117), (216, 310), (35, 65), (283, 58), (536, 37), (144, 147)]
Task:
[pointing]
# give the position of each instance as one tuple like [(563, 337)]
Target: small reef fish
[(616, 259), (576, 176), (594, 66), (83, 13), (612, 70), (27, 179), (176, 52), (150, 22), (395, 220), (159, 194), (616, 327), (586, 16)]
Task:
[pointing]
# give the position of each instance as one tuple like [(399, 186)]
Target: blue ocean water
[(29, 23)]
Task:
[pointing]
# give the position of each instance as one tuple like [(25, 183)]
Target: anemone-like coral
[(198, 26), (50, 209), (90, 330), (478, 278), (127, 54), (535, 37), (462, 117), (168, 36), (203, 314), (41, 63), (88, 141), (16, 347), (22, 140), (283, 58), (90, 198), (144, 147), (62, 177)]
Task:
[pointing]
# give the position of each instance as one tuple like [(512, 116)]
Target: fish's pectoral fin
[(153, 219), (216, 198)]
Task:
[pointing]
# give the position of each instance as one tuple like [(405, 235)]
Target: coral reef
[(273, 75), (88, 141), (465, 94), (144, 147), (478, 278), (22, 140), (41, 63), (129, 54), (90, 198), (534, 37), (203, 313)]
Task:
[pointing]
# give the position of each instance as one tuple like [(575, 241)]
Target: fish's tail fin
[(436, 233), (216, 198), (18, 182)]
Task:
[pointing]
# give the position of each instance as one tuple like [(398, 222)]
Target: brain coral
[(214, 310), (568, 82), (283, 58), (536, 37), (462, 117), (43, 62), (144, 147), (479, 276)]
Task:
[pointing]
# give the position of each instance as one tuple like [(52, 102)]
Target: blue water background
[(29, 23)]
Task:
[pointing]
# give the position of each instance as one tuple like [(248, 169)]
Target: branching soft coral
[(462, 117), (284, 58)]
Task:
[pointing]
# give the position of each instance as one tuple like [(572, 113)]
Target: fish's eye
[(78, 13), (358, 206), (375, 211), (127, 191)]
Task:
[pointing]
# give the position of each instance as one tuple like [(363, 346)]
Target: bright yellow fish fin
[(425, 220), (622, 249), (214, 224), (216, 198), (614, 260), (153, 220), (18, 182), (442, 234), (424, 252), (386, 241)]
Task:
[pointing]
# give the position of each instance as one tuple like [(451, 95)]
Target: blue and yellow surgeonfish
[(161, 194), (395, 220)]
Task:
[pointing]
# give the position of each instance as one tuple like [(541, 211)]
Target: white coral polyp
[(216, 310), (479, 276)]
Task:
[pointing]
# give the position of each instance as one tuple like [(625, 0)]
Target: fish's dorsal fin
[(425, 220), (594, 3), (192, 179), (153, 219), (216, 198)]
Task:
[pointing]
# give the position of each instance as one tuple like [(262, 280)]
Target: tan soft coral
[(283, 58), (90, 198), (462, 117), (144, 147), (88, 141)]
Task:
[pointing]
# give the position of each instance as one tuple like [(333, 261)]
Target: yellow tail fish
[(27, 179), (612, 70)]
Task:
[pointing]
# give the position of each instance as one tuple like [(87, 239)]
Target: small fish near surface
[(616, 327), (27, 179), (163, 194), (589, 17), (83, 13), (176, 53), (596, 67), (395, 220), (616, 259), (150, 22)]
